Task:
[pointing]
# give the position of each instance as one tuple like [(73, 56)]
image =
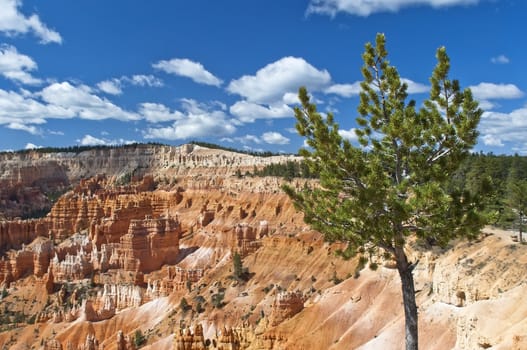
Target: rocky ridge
[(148, 263)]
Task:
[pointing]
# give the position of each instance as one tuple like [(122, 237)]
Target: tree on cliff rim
[(392, 186)]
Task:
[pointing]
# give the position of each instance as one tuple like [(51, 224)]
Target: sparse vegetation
[(139, 338), (217, 300), (237, 266), (183, 305)]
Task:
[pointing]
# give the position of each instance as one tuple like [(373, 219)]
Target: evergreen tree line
[(80, 149), (503, 181), (288, 170), (230, 149)]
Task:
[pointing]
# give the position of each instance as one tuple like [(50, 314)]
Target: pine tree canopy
[(393, 182)]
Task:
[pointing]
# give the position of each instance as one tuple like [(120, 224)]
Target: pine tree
[(393, 185), (237, 266), (517, 200)]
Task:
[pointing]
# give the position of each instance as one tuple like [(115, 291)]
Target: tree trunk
[(521, 221), (410, 308)]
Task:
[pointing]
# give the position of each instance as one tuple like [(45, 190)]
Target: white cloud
[(157, 113), (275, 138), (415, 88), (486, 105), (344, 90), (82, 102), (501, 59), (89, 140), (492, 140), (144, 80), (248, 112), (16, 67), (243, 139), (198, 120), (13, 22), (112, 87), (292, 130), (497, 128), (290, 98), (30, 145), (23, 127), (349, 134), (271, 83), (190, 69), (249, 138), (115, 86), (490, 91), (368, 7), (23, 108), (349, 90)]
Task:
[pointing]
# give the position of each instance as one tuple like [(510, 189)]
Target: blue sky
[(105, 72)]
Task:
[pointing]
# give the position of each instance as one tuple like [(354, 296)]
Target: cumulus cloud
[(490, 91), (497, 128), (89, 140), (367, 7), (275, 138), (190, 69), (344, 90), (290, 98), (157, 113), (501, 59), (350, 90), (197, 120), (272, 82), (243, 139), (15, 66), (115, 86), (268, 93), (414, 87), (492, 140), (12, 22), (30, 145), (248, 111), (144, 80), (24, 109), (23, 127), (82, 102), (112, 87), (349, 134)]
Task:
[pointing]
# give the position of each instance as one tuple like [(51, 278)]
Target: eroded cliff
[(149, 263)]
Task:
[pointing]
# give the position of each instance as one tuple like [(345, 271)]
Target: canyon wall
[(139, 247)]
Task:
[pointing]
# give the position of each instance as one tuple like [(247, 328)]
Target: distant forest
[(503, 182), (500, 180), (229, 149), (80, 149)]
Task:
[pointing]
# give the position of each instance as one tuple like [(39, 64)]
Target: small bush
[(139, 338), (217, 300), (183, 305)]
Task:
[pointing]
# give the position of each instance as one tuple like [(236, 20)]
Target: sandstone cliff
[(152, 256)]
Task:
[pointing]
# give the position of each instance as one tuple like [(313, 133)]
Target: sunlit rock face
[(133, 232)]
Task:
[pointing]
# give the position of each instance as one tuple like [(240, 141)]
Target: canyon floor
[(139, 250)]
